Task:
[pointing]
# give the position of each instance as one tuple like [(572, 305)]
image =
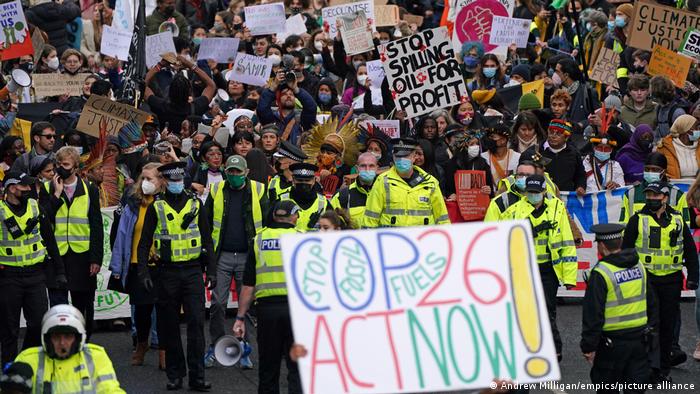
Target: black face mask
[(654, 205), (63, 173), (278, 167), (28, 67), (295, 10), (24, 196), (303, 192)]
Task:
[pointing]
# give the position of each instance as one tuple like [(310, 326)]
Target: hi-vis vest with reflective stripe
[(509, 181), (72, 225), (26, 250), (319, 206), (633, 201), (666, 258), (626, 301), (185, 245), (269, 272), (88, 371), (276, 185), (355, 204), (257, 190)]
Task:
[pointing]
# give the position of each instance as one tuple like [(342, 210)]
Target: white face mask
[(473, 151), (361, 79), (298, 49), (318, 45), (276, 59), (53, 63), (148, 188)]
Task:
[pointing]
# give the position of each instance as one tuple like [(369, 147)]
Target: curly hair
[(561, 94)]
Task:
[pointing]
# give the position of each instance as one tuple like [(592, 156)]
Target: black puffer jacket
[(52, 18)]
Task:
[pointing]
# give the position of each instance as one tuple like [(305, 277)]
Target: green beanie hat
[(528, 101)]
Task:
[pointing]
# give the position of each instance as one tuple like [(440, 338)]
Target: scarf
[(523, 145), (573, 88)]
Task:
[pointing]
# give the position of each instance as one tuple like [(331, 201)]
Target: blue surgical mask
[(325, 98), (176, 187), (79, 149), (489, 72), (695, 135), (620, 21), (534, 198), (197, 40), (470, 61), (367, 176), (611, 25), (403, 165), (650, 177), (520, 182), (602, 156), (589, 27)]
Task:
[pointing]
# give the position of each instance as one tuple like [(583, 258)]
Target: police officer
[(354, 198), (64, 363), (179, 227), (26, 240), (74, 210), (305, 194), (264, 276), (654, 171), (615, 336), (516, 192), (664, 244), (236, 210), (286, 155), (554, 243), (405, 195)]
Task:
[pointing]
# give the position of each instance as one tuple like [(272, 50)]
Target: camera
[(287, 63)]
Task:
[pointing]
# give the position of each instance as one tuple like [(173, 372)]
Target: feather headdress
[(345, 140), (131, 138)]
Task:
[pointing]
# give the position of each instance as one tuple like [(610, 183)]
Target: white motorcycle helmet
[(62, 318)]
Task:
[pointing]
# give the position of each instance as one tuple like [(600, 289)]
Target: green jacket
[(646, 116), (154, 20)]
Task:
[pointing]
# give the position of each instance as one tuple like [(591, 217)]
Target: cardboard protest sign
[(506, 31), (413, 19), (252, 70), (654, 24), (691, 44), (449, 307), (357, 38), (471, 200), (330, 15), (669, 63), (15, 40), (265, 19), (53, 84), (115, 42), (605, 68), (387, 15), (473, 22), (375, 72), (222, 50), (156, 45), (38, 43), (116, 115), (422, 72)]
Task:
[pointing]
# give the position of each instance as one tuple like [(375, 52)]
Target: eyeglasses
[(48, 136)]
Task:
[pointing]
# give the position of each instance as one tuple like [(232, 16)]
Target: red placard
[(471, 200)]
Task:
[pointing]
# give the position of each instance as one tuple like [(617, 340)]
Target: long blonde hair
[(136, 190)]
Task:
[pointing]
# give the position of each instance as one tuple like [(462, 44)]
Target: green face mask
[(235, 181)]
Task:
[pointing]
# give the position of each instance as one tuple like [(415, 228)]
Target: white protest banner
[(222, 50), (357, 38), (422, 71), (115, 114), (15, 40), (690, 46), (375, 72), (47, 85), (330, 15), (448, 308), (115, 42), (506, 31), (473, 22), (265, 19), (389, 127), (294, 25), (252, 70), (123, 16), (156, 45)]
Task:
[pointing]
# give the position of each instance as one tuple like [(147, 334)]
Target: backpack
[(664, 120)]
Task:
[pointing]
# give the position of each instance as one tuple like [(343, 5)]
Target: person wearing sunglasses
[(43, 136)]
